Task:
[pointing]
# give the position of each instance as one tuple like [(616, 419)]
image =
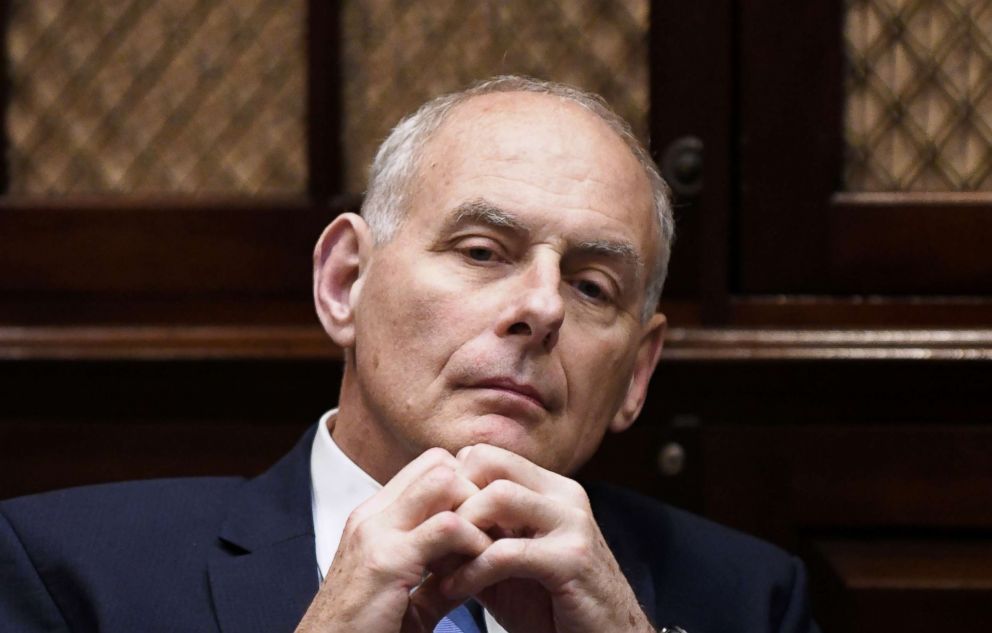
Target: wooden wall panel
[(907, 585)]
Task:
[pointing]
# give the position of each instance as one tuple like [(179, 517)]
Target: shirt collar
[(339, 486)]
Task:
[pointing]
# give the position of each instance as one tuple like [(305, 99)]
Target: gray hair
[(395, 165)]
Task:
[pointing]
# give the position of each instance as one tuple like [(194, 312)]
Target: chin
[(504, 431)]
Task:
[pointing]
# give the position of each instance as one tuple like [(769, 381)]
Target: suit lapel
[(264, 575)]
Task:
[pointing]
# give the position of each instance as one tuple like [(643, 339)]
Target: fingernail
[(463, 453)]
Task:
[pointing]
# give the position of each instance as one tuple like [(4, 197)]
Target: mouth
[(514, 389)]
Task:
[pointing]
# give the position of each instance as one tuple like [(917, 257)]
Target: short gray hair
[(395, 165)]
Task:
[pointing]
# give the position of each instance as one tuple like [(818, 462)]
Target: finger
[(447, 564), (443, 538), (423, 463), (514, 509), (445, 534), (484, 464), (437, 490), (506, 558)]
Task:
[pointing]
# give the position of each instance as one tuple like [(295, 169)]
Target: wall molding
[(309, 342)]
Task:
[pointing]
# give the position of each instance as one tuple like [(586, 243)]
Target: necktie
[(459, 620)]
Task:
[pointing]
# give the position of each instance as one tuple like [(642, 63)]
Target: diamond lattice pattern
[(919, 95), (184, 96), (398, 54)]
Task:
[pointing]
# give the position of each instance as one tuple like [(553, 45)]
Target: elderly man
[(495, 302)]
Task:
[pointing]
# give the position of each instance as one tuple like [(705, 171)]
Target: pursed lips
[(512, 386)]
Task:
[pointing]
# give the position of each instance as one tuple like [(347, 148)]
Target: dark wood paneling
[(66, 423), (798, 232), (845, 476), (906, 243), (306, 342), (634, 459), (4, 96), (325, 162), (290, 344), (691, 72), (771, 394), (790, 141), (121, 261), (906, 585), (871, 312), (781, 344)]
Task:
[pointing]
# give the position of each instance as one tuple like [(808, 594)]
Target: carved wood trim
[(306, 342), (838, 344), (166, 343)]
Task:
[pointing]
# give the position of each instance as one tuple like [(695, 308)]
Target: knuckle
[(503, 491), (362, 512), (503, 553), (576, 492), (352, 522), (441, 475), (584, 520), (360, 529), (447, 523), (483, 453), (379, 562), (578, 551), (436, 455)]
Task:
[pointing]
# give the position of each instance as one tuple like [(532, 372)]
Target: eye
[(480, 254), (480, 250), (590, 289)]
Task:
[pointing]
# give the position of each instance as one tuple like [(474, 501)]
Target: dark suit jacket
[(209, 554)]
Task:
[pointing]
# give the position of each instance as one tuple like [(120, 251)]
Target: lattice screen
[(919, 95), (398, 54), (139, 96)]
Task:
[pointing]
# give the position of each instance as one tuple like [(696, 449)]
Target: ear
[(648, 353), (339, 261)]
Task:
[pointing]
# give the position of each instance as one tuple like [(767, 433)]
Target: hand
[(389, 543), (549, 568)]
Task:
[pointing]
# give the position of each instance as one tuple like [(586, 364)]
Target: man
[(495, 304)]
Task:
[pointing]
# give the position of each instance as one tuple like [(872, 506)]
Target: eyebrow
[(624, 252), (484, 212)]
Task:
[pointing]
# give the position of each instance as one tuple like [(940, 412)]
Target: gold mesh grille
[(919, 95), (398, 54), (184, 96)]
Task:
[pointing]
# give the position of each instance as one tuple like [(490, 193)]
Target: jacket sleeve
[(25, 604), (796, 616)]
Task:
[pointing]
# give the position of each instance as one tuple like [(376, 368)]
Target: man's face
[(506, 309)]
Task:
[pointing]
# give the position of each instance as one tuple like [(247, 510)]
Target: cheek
[(598, 369), (406, 319), (596, 359)]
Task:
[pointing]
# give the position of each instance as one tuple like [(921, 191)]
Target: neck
[(361, 437)]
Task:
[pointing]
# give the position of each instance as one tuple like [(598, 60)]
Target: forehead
[(538, 155)]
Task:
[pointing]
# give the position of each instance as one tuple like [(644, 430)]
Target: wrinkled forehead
[(527, 124), (542, 134), (535, 143)]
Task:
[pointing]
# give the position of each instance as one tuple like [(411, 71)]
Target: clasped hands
[(487, 524)]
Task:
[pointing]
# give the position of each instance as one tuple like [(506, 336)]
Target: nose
[(535, 309)]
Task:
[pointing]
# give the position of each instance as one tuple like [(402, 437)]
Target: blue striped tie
[(458, 621)]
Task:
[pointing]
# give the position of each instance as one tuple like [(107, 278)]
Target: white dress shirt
[(339, 486)]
